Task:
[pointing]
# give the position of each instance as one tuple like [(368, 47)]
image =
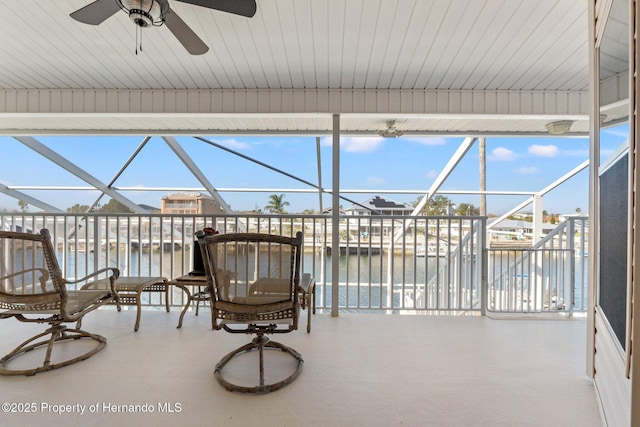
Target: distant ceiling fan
[(148, 13)]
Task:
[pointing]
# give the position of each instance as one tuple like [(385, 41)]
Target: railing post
[(484, 265), (570, 293)]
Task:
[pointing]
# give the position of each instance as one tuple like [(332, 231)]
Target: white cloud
[(502, 154), (616, 131), (543, 150), (368, 144), (428, 140), (354, 144), (577, 152), (361, 145), (527, 170), (432, 174), (234, 144), (373, 180)]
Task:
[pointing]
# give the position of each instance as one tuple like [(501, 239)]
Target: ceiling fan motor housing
[(145, 13), (140, 18)]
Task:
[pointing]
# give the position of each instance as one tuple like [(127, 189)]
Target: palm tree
[(276, 204)]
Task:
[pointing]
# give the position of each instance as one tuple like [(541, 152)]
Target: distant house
[(509, 229), (565, 217), (377, 206), (329, 211), (381, 206), (190, 204)]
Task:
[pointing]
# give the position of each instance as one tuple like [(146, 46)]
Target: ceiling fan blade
[(97, 12), (185, 35), (237, 7)]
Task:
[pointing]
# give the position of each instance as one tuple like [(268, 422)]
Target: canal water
[(363, 279)]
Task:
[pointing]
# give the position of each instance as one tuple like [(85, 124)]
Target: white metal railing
[(549, 277), (438, 265)]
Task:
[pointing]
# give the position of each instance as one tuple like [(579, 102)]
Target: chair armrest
[(305, 289), (115, 273), (305, 282)]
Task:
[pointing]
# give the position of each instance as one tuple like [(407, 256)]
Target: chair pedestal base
[(58, 334), (260, 343)]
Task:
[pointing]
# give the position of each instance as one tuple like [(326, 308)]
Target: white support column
[(323, 250), (335, 218), (482, 165), (319, 165), (537, 281), (537, 218)]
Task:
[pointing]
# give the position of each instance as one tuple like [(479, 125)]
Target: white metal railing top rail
[(437, 266)]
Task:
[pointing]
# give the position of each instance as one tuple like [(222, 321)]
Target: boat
[(431, 250)]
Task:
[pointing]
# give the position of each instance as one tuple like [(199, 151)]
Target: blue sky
[(406, 163)]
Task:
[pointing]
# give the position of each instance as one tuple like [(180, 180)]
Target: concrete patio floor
[(359, 370)]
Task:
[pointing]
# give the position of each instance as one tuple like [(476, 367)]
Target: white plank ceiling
[(466, 67)]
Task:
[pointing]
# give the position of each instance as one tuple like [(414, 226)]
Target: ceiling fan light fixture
[(559, 128), (145, 13), (391, 131)]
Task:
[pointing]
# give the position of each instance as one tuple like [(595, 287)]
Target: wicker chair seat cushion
[(260, 300), (273, 318), (35, 302), (278, 312), (254, 309), (78, 301)]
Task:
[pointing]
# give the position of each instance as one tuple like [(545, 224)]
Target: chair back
[(253, 277), (30, 277)]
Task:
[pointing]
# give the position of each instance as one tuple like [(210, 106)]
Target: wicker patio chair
[(32, 289), (253, 281)]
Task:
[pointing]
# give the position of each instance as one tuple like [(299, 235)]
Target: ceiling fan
[(148, 13)]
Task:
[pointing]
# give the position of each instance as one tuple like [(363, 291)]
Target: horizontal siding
[(294, 101), (614, 389)]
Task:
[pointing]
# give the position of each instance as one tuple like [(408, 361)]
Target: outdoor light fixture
[(560, 127), (603, 118), (145, 13), (391, 131)]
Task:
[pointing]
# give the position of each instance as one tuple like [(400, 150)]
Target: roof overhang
[(306, 112)]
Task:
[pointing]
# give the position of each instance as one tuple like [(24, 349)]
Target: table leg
[(311, 305), (166, 296), (139, 306), (197, 300), (308, 312), (314, 298), (186, 306)]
